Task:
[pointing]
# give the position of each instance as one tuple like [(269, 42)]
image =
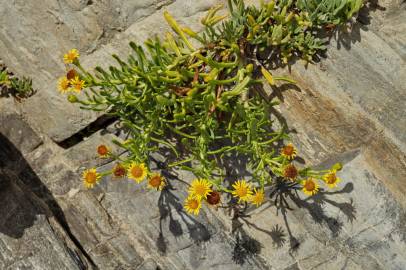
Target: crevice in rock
[(17, 175), (100, 123)]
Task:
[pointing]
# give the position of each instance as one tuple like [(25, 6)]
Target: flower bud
[(73, 99)]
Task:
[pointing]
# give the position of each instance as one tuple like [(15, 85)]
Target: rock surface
[(348, 107)]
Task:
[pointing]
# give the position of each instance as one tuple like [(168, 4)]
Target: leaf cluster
[(17, 87)]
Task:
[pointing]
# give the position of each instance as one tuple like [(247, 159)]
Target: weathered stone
[(31, 236), (34, 44), (18, 132)]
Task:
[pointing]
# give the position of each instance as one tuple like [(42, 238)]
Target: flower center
[(331, 179), (290, 171), (213, 198), (193, 204), (91, 177), (309, 185), (102, 150), (258, 197), (155, 181), (136, 171), (288, 150), (241, 192), (119, 171), (71, 74), (200, 190)]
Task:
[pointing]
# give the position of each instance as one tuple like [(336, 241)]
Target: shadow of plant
[(168, 204), (245, 246)]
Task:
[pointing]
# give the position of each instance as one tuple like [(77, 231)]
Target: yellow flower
[(156, 181), (258, 197), (103, 151), (71, 56), (77, 84), (290, 172), (138, 172), (63, 84), (310, 186), (90, 177), (289, 151), (242, 190), (192, 205), (119, 171), (200, 188), (331, 179)]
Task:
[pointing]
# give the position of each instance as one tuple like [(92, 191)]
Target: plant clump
[(11, 85), (201, 97)]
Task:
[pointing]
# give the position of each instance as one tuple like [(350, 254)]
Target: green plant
[(206, 102), (330, 11), (17, 87)]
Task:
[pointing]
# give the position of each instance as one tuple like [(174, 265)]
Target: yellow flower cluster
[(198, 191), (201, 189), (71, 81), (244, 193), (135, 171), (310, 186)]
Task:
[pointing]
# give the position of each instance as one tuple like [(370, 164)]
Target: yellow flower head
[(258, 197), (192, 205), (119, 171), (63, 84), (71, 56), (242, 190), (90, 177), (290, 172), (310, 186), (137, 172), (289, 151), (200, 188), (77, 84), (331, 179), (103, 151), (156, 181)]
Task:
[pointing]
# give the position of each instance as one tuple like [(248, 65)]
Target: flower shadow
[(171, 209)]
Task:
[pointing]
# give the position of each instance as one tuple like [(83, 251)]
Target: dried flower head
[(103, 151), (213, 198), (119, 171), (289, 151), (290, 172), (71, 74), (156, 181)]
